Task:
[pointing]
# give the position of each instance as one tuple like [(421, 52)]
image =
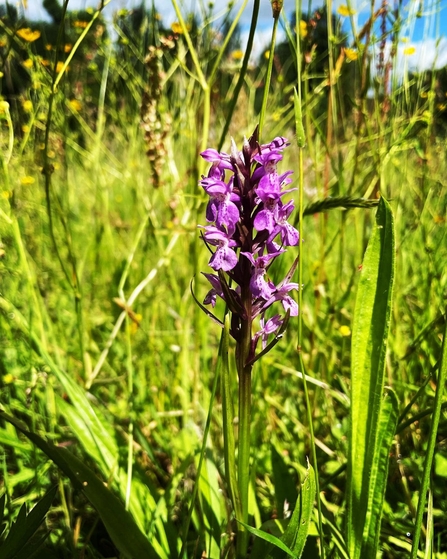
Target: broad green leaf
[(388, 418), (119, 523), (25, 526), (369, 343)]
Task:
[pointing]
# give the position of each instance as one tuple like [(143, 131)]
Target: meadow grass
[(104, 351)]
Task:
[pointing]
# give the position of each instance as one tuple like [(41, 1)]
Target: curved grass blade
[(119, 523), (18, 539), (369, 434)]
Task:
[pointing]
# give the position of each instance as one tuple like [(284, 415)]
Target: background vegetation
[(102, 348)]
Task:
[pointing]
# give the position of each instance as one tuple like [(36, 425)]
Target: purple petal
[(223, 259), (264, 220)]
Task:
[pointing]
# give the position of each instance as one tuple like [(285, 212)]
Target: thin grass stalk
[(228, 423), (268, 77), (300, 330), (203, 448), (425, 483), (301, 142), (243, 73)]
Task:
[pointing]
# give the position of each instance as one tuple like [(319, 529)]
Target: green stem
[(442, 377), (243, 467)]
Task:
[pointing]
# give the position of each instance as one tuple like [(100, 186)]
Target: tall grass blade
[(370, 431), (120, 525), (441, 380)]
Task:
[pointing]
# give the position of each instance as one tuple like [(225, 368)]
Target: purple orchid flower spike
[(248, 224)]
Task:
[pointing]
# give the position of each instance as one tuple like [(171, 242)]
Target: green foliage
[(19, 542), (104, 351)]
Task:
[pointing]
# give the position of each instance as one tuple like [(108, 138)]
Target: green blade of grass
[(430, 452), (369, 430), (119, 523)]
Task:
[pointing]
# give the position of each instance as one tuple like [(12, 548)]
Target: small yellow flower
[(3, 42), (267, 54), (1, 74), (6, 194), (237, 54), (345, 11), (59, 67), (80, 24), (75, 105), (51, 154), (409, 51), (28, 34), (177, 28), (4, 107), (303, 29), (423, 94), (45, 62), (28, 63), (90, 10), (442, 106), (351, 54), (25, 128), (48, 47), (27, 105), (8, 378), (345, 331), (27, 180), (67, 48)]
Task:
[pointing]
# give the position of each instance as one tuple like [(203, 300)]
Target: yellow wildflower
[(80, 24), (90, 10), (4, 107), (409, 51), (27, 180), (48, 47), (237, 54), (27, 105), (267, 54), (25, 128), (3, 42), (28, 34), (45, 62), (75, 105), (1, 74), (345, 331), (28, 63), (351, 54), (345, 11), (303, 29), (8, 378), (423, 94), (67, 48), (177, 28), (60, 65), (6, 194)]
